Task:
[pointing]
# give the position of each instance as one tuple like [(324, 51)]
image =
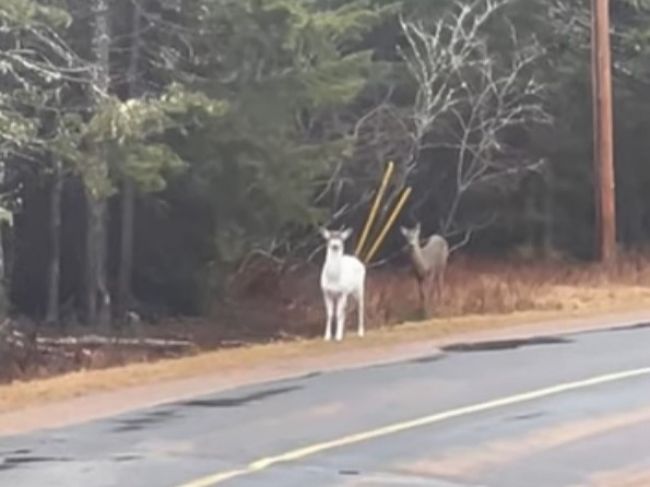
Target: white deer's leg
[(340, 316), (329, 308), (428, 292), (361, 312)]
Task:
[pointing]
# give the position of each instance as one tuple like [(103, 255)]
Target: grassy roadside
[(580, 303)]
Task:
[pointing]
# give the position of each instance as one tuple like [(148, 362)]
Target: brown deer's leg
[(423, 298), (434, 289), (429, 296), (440, 280)]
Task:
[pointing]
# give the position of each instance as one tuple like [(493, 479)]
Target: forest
[(173, 159)]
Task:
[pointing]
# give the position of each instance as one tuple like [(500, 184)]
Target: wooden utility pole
[(603, 132)]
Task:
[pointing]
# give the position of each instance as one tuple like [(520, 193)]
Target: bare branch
[(469, 98), (470, 231)]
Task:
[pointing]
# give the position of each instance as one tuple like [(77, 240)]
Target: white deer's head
[(412, 235), (335, 240)]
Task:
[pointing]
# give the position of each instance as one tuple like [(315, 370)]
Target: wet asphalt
[(581, 437)]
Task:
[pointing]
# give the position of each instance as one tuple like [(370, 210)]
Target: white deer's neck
[(333, 265)]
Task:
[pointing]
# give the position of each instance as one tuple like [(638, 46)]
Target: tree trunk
[(4, 267), (98, 299), (530, 214), (54, 267), (4, 294), (125, 272), (549, 211), (90, 298), (126, 250)]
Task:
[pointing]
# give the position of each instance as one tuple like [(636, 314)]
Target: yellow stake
[(389, 224), (375, 207)]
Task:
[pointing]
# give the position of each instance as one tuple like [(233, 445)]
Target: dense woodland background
[(152, 149)]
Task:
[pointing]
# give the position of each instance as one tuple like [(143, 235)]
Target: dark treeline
[(151, 146)]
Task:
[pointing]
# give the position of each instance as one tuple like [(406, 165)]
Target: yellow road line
[(264, 463)]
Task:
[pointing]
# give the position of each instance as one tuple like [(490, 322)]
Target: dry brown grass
[(480, 287), (231, 362), (480, 295)]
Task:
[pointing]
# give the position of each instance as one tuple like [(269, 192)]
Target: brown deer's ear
[(325, 233)]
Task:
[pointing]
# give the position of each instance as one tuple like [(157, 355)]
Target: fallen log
[(99, 341)]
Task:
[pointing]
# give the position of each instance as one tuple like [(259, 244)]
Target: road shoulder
[(287, 362)]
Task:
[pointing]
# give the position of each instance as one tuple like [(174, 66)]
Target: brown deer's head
[(412, 235)]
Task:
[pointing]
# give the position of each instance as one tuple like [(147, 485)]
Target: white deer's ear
[(325, 233), (345, 234), (417, 228), (404, 231)]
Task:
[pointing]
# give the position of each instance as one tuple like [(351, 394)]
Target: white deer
[(429, 263), (342, 275)]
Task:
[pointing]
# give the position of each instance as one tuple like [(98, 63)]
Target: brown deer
[(429, 263)]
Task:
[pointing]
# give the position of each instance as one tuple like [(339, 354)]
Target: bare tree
[(469, 97)]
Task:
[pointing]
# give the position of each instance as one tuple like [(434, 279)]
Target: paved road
[(561, 411)]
